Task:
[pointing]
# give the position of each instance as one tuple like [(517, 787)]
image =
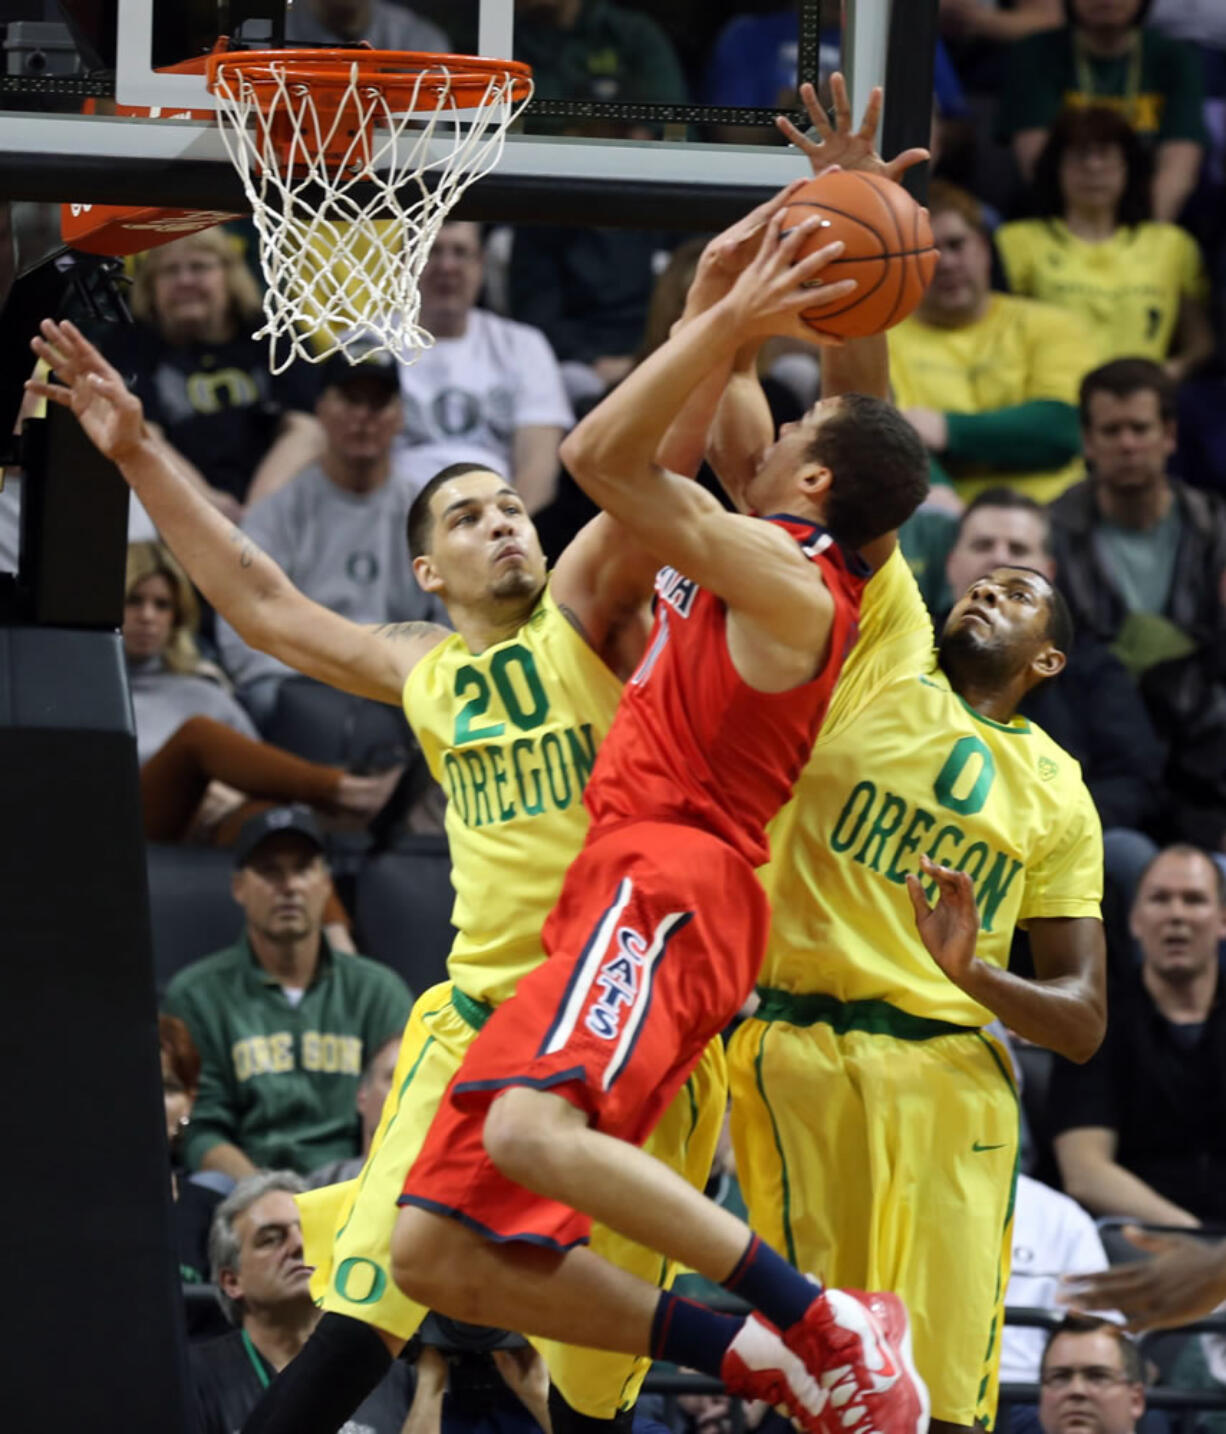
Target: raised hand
[(727, 256), (950, 928), (771, 293), (839, 143), (110, 415)]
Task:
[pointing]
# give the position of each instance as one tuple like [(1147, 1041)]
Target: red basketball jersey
[(694, 743)]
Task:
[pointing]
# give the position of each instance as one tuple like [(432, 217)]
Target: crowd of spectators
[(1067, 373)]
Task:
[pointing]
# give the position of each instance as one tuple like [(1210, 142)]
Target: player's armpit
[(603, 582)]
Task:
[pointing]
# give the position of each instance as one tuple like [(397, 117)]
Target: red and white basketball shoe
[(758, 1365), (859, 1347)]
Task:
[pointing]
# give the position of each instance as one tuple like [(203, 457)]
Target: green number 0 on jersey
[(964, 749)]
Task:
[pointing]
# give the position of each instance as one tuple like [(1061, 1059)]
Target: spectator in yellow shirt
[(1139, 287), (989, 381)]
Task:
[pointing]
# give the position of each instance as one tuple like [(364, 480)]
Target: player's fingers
[(50, 353), (791, 240), (64, 337), (820, 296), (1148, 1241), (905, 161), (53, 392), (757, 219), (929, 867), (818, 116), (919, 902), (806, 269), (872, 115), (842, 105), (110, 386), (794, 136)]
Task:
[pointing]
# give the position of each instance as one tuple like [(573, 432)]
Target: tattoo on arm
[(576, 622), (398, 630), (246, 548)]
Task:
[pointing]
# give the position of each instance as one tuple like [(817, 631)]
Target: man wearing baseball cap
[(283, 1023), (337, 527)]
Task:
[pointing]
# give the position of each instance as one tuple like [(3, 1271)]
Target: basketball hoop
[(351, 161)]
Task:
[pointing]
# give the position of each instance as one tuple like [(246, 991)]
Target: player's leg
[(573, 1294), (893, 1188), (347, 1232), (655, 942), (594, 1391)]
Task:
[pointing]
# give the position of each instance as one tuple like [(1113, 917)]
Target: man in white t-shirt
[(489, 391), (338, 526), (1052, 1236)]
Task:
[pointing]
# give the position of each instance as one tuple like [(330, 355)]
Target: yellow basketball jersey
[(511, 734), (1126, 290), (903, 766), (1018, 352)]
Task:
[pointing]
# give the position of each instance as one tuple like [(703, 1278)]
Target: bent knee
[(433, 1264), (418, 1253), (523, 1131)]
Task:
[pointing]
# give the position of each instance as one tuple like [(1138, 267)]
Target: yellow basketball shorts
[(347, 1229), (880, 1151)]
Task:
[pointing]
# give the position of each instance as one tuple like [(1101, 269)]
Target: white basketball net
[(342, 271)]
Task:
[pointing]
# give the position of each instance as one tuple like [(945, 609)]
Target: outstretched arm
[(241, 582), (1185, 1280), (1065, 1009)]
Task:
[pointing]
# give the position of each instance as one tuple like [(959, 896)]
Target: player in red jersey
[(660, 929)]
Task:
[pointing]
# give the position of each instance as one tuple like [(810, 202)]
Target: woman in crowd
[(1140, 286), (194, 1202), (204, 772)]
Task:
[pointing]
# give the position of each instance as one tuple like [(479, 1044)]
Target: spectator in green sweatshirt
[(284, 1023)]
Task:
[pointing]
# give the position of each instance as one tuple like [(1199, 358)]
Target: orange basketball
[(889, 249)]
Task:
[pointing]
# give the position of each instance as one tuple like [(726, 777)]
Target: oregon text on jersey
[(496, 782)]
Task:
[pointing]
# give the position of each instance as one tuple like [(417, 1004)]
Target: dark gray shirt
[(346, 550)]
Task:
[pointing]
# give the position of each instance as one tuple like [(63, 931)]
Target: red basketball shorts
[(654, 945)]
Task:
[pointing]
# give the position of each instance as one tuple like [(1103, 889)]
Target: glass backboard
[(667, 120)]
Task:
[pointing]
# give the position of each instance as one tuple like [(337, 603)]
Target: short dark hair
[(1078, 128), (1184, 848), (1130, 1355), (880, 468), (419, 529), (1002, 497), (945, 197), (1060, 627), (1122, 378)]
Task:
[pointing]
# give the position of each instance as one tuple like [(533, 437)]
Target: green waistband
[(877, 1018), (472, 1012)]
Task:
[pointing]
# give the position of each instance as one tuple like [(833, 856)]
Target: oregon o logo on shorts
[(372, 1276)]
